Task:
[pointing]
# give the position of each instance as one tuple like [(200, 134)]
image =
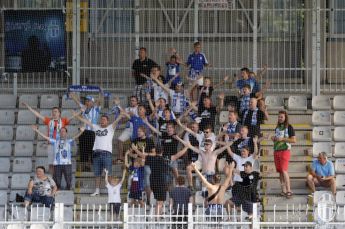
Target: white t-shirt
[(104, 138), (240, 162), (114, 193), (133, 110), (158, 93)]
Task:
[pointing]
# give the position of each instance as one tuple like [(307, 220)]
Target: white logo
[(326, 209)]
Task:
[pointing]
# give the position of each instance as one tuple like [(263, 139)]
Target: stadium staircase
[(21, 151)]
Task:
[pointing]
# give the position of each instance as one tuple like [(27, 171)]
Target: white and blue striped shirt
[(91, 114)]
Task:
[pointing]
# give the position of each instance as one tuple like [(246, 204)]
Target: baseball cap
[(89, 97)]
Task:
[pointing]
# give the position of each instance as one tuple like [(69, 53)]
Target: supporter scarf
[(52, 127), (254, 120), (231, 127), (183, 101), (244, 143)]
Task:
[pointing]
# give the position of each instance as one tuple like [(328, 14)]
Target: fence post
[(125, 216), (255, 219), (255, 35), (59, 215), (190, 216)]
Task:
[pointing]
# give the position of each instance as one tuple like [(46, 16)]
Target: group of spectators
[(171, 117)]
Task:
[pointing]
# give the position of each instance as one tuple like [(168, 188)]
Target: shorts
[(173, 164), (101, 160), (159, 192), (147, 174), (125, 135), (137, 195), (281, 160), (215, 210), (115, 208), (51, 154), (247, 206)]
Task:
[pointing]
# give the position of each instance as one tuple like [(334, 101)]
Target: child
[(114, 193), (136, 177)]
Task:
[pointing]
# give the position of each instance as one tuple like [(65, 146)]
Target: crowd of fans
[(171, 117)]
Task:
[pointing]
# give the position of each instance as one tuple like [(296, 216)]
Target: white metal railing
[(100, 216)]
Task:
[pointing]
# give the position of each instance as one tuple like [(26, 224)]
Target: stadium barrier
[(100, 216)]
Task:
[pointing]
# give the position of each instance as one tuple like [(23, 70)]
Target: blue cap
[(89, 97)]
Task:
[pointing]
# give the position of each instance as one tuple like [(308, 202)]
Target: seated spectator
[(62, 148), (114, 193), (244, 192), (254, 117), (41, 189), (322, 174)]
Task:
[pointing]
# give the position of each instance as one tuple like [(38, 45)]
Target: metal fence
[(300, 41), (100, 216)]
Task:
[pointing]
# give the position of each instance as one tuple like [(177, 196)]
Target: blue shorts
[(102, 160)]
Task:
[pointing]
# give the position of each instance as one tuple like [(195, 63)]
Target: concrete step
[(273, 184), (282, 203), (300, 167), (276, 192), (275, 175)]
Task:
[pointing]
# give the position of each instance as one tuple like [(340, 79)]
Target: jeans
[(48, 201), (66, 171), (102, 160)]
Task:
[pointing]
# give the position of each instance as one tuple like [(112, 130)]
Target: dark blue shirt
[(197, 61), (255, 87), (180, 197)]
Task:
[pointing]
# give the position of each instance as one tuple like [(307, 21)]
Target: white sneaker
[(96, 193)]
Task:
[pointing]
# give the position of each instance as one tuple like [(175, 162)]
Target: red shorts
[(281, 160)]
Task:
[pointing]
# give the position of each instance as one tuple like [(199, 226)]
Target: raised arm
[(83, 120), (153, 129), (152, 107), (126, 158), (100, 100), (74, 97), (35, 128), (179, 154), (82, 129), (106, 177), (187, 144), (220, 106), (220, 150), (142, 153), (36, 113), (123, 176), (226, 78), (73, 116), (185, 128), (117, 120), (165, 88), (202, 178)]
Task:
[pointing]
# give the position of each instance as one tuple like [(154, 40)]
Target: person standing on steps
[(283, 137)]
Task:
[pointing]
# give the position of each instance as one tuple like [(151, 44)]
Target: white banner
[(214, 4)]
